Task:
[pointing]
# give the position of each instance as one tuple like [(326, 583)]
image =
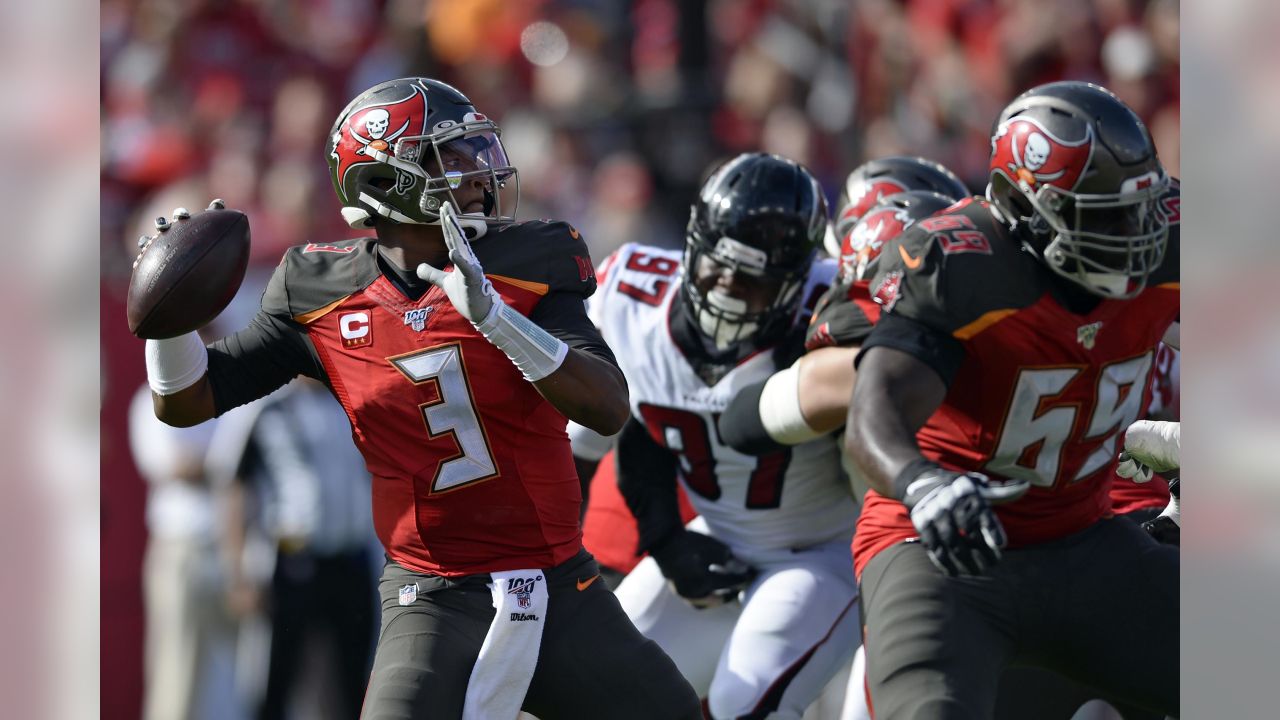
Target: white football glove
[(536, 352), (468, 289), (1149, 447), (954, 515)]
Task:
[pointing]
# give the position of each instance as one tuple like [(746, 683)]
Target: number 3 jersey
[(1041, 392), (789, 499), (472, 470)]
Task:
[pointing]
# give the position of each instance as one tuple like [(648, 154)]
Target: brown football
[(186, 275)]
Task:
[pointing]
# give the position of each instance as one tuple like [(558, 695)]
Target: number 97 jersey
[(794, 498)]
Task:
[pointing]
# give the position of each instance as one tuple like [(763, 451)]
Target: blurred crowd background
[(611, 109)]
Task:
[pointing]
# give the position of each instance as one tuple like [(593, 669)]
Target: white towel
[(501, 676)]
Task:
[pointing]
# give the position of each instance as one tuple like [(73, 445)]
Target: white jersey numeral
[(1033, 436), (454, 413)]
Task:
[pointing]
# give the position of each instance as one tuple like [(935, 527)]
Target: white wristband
[(176, 363), (536, 352), (780, 409)]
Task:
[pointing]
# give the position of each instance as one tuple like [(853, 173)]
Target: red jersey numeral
[(653, 265), (685, 434), (943, 223), (647, 297), (963, 241), (316, 247)]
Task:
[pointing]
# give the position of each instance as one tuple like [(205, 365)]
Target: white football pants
[(795, 627)]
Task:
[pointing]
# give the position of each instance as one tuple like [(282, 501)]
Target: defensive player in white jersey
[(755, 600)]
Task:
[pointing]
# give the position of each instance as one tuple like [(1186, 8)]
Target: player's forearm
[(826, 383), (894, 396), (647, 482), (589, 391), (187, 407)]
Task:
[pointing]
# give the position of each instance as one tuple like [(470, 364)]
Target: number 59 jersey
[(794, 498)]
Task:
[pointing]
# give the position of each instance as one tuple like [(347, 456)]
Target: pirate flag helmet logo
[(403, 148), (1075, 171)]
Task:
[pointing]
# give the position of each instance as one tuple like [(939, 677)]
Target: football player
[(1015, 343), (457, 342), (691, 330), (874, 180), (811, 397)]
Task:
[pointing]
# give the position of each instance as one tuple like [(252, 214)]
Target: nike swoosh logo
[(911, 262), (584, 584)]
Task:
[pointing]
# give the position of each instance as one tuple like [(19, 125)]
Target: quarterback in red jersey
[(1015, 344), (457, 365)]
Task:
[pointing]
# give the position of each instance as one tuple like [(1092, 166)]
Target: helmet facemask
[(726, 320), (1107, 243), (463, 155), (403, 148)]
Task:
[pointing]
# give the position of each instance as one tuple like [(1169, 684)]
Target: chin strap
[(359, 218)]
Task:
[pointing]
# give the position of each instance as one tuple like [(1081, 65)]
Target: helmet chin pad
[(720, 330)]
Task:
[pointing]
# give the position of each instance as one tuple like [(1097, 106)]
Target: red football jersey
[(1042, 393), (1126, 495), (471, 466)]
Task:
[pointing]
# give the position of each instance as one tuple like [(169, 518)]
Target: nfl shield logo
[(408, 594), (1087, 335), (416, 319), (522, 588)]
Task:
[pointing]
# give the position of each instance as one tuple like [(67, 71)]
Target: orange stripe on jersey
[(309, 317), (1170, 286), (987, 320), (531, 286)]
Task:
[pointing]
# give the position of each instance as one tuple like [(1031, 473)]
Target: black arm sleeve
[(647, 480), (564, 315), (259, 359), (741, 426), (934, 348)]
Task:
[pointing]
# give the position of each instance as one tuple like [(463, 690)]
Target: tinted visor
[(466, 166)]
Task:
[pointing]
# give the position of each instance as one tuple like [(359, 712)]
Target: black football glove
[(1164, 530), (952, 512), (702, 569)]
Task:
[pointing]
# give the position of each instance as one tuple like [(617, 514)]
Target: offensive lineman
[(1015, 345)]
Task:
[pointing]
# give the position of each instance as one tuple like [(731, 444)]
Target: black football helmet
[(761, 216), (876, 179), (1076, 171), (403, 147)]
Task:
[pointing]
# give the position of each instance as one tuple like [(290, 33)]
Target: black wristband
[(908, 474), (741, 427)]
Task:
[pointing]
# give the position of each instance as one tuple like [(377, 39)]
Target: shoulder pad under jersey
[(551, 255), (313, 277), (952, 269)]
